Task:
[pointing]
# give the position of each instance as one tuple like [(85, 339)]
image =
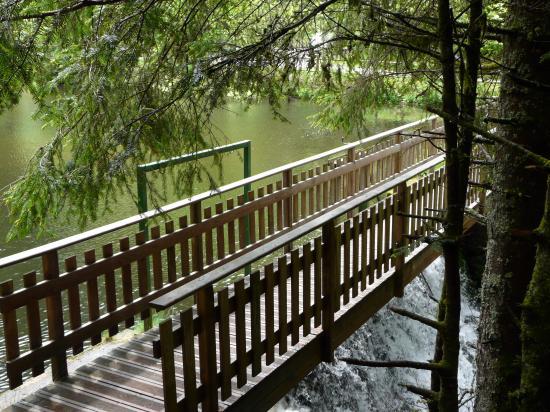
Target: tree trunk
[(516, 203), (534, 394), (448, 394)]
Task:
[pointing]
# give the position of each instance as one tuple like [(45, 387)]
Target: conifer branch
[(393, 364), (414, 316)]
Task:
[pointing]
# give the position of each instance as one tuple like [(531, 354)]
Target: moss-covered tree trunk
[(516, 203), (534, 394)]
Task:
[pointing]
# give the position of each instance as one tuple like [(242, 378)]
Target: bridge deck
[(349, 229)]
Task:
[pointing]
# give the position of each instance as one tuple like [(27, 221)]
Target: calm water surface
[(274, 143)]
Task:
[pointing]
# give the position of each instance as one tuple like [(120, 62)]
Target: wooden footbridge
[(251, 292)]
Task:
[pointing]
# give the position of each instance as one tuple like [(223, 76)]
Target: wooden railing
[(315, 280), (76, 303)]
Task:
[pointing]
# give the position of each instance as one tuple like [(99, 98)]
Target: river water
[(273, 143), (387, 336)]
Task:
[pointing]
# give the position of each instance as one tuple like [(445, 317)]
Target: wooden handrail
[(345, 205), (120, 224)]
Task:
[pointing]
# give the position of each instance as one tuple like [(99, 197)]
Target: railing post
[(168, 366), (434, 123), (207, 348), (11, 336), (399, 240), (54, 308), (331, 283)]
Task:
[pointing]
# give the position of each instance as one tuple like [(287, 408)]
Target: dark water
[(274, 143)]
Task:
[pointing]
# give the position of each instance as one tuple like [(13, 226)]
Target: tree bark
[(448, 391), (534, 394), (516, 204)]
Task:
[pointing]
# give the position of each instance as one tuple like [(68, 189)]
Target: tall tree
[(516, 204)]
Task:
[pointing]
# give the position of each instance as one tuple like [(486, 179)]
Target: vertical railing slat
[(188, 356), (269, 314), (255, 323), (295, 295), (110, 288), (11, 336), (207, 348), (33, 322), (223, 333), (73, 297), (127, 288)]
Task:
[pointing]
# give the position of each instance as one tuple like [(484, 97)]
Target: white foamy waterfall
[(387, 336)]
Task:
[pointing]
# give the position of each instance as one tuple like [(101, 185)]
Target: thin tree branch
[(425, 393), (414, 316), (393, 364), (540, 160)]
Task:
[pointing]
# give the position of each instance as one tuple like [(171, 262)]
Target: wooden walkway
[(322, 249), (129, 378)]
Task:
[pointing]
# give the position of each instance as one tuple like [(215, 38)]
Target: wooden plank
[(73, 298), (347, 241), (231, 230), (364, 248), (143, 284), (355, 257), (251, 220), (311, 195), (317, 191), (184, 249), (280, 207), (110, 288), (242, 224), (33, 322), (331, 281), (261, 216), (170, 254), (207, 347), (295, 201), (380, 239), (388, 207), (93, 296), (11, 336), (240, 322), (223, 338), (196, 241), (306, 284), (270, 212), (303, 198), (188, 356), (269, 314), (295, 296), (157, 261), (127, 288), (255, 323), (208, 239), (317, 293), (283, 331), (220, 234), (168, 367)]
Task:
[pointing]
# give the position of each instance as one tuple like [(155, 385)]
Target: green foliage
[(135, 81)]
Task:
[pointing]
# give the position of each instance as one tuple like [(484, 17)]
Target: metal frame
[(142, 170)]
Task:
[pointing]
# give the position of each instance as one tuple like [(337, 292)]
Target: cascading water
[(387, 336)]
